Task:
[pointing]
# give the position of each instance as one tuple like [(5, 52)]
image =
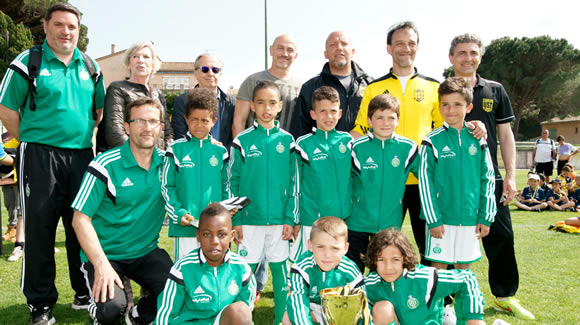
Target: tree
[(540, 74), (170, 100), (536, 72), (31, 14), (13, 40)]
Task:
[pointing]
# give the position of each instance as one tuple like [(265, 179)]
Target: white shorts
[(458, 245), (300, 244), (263, 242), (182, 246), (316, 311)]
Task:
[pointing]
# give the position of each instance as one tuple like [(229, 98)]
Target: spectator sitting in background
[(557, 198), (543, 185), (533, 197), (572, 172), (565, 178), (575, 197)]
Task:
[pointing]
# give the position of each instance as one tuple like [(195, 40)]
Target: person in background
[(556, 197), (543, 155), (532, 197), (340, 73), (565, 151), (141, 63), (208, 69), (284, 51)]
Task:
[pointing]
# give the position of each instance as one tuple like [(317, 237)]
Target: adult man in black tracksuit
[(341, 73), (491, 104)]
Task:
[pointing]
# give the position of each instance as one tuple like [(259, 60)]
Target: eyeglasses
[(215, 70), (141, 123)]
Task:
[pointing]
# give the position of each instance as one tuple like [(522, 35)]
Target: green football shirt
[(63, 117), (124, 201)]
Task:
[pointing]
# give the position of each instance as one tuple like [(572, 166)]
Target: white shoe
[(16, 254), (500, 322), (449, 317)]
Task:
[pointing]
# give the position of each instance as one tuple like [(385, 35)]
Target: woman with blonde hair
[(141, 63)]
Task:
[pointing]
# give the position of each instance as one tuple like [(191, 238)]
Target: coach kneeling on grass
[(119, 211)]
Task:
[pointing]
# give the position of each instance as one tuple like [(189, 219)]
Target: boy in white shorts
[(263, 168), (194, 173), (324, 163), (456, 183)]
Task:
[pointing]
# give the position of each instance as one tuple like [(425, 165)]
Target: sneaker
[(42, 316), (500, 322), (81, 302), (449, 317), (10, 234), (16, 254), (512, 305)]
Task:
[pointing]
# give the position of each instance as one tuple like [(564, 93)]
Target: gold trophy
[(344, 306)]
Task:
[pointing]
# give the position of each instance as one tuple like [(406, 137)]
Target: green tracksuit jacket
[(324, 161), (418, 295), (196, 291), (263, 167), (194, 175), (307, 280), (456, 179), (380, 170)]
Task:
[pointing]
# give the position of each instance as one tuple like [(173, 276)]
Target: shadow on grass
[(268, 294), (263, 315), (7, 247), (63, 314), (60, 244)]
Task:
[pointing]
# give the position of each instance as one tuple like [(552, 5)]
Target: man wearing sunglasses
[(283, 52), (207, 71)]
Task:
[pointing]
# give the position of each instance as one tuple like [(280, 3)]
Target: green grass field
[(548, 263)]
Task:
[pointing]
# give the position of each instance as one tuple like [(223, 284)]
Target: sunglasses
[(205, 69)]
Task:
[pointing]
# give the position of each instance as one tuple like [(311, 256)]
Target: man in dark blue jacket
[(207, 71), (341, 73)]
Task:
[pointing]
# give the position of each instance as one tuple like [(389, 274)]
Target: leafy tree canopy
[(540, 74), (14, 38), (31, 14)]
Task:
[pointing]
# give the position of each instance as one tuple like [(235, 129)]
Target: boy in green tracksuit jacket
[(262, 167), (323, 266), (398, 290), (381, 163), (209, 285), (324, 161), (456, 183), (194, 173)]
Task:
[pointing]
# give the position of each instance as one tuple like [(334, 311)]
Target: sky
[(234, 29)]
